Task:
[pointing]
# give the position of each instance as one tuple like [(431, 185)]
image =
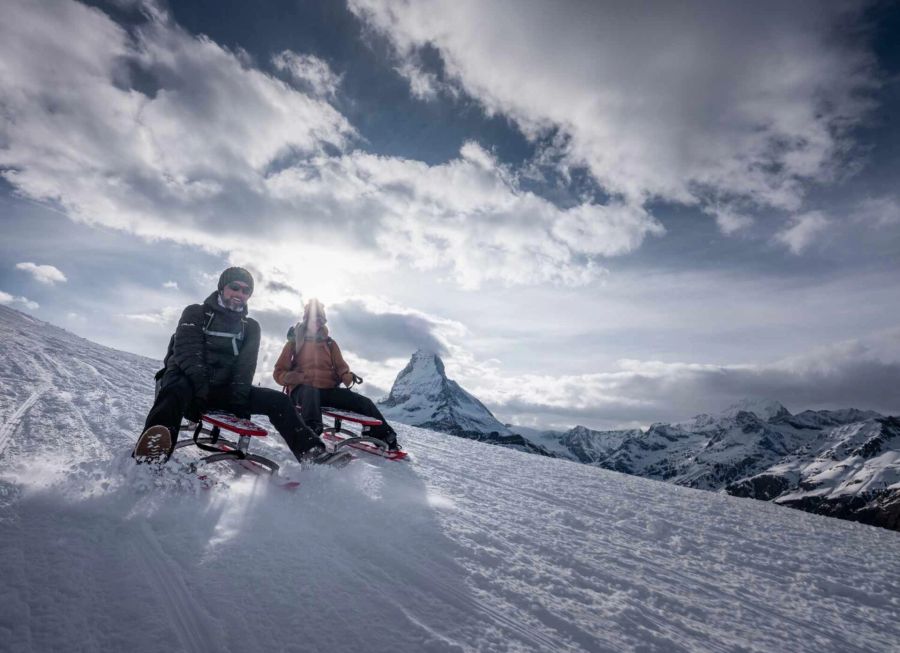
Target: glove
[(197, 407), (350, 379), (291, 378)]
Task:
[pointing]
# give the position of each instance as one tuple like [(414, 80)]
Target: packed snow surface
[(466, 547)]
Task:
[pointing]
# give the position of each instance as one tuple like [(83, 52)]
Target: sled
[(208, 436), (362, 441), (341, 437)]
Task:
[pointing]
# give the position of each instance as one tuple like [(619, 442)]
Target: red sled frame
[(223, 449), (362, 441)]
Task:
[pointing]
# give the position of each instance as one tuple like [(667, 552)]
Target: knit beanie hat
[(235, 274), (314, 309)]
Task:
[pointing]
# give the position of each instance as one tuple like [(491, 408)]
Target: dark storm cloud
[(380, 336), (278, 286), (858, 374), (274, 323)]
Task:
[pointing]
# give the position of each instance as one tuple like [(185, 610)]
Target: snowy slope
[(468, 547)]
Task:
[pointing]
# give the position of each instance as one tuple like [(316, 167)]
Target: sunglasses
[(240, 287)]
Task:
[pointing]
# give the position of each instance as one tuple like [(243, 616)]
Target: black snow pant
[(312, 399), (176, 396)]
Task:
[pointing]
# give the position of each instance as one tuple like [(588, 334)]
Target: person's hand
[(197, 407), (294, 378)]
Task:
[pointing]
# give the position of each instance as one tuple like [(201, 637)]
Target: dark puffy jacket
[(214, 346)]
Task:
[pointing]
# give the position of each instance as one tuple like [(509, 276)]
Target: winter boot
[(390, 439), (319, 455), (153, 446)]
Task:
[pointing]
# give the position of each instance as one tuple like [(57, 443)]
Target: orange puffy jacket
[(311, 361)]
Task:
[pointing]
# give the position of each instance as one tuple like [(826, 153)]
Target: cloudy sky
[(598, 213)]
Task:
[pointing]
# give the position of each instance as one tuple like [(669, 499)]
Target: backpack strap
[(235, 337), (329, 341)]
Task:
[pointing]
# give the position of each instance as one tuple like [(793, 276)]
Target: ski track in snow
[(186, 612), (614, 538), (12, 422), (465, 548)]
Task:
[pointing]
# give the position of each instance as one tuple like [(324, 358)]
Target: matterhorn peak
[(425, 358), (422, 395), (424, 373)]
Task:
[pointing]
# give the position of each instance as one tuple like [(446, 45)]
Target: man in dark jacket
[(210, 365)]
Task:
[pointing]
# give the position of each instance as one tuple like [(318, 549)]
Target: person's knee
[(278, 405), (179, 387)]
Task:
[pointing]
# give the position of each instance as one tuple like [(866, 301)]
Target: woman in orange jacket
[(312, 368)]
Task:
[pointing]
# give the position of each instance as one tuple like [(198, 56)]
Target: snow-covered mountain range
[(842, 463), (463, 548)]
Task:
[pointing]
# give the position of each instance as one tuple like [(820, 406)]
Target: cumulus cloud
[(689, 102), (878, 211), (467, 215), (165, 316), (162, 160), (45, 274), (168, 135), (310, 71), (729, 219), (423, 84), (6, 298), (803, 230)]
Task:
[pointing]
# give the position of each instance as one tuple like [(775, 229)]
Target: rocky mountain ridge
[(422, 395), (844, 463)]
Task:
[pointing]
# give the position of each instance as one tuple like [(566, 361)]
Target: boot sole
[(153, 446)]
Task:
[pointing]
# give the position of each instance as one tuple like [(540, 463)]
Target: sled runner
[(362, 441), (208, 437)]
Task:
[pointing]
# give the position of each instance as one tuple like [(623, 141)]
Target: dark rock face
[(764, 487), (515, 441), (841, 477), (878, 509)]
